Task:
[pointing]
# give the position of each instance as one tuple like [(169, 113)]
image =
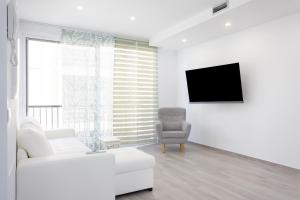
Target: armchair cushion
[(173, 134), (172, 126)]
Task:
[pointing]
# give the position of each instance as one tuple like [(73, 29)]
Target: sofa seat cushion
[(68, 145), (173, 134), (131, 159)]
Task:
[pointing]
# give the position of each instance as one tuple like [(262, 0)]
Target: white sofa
[(69, 173)]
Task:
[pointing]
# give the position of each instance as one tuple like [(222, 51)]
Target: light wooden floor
[(208, 174)]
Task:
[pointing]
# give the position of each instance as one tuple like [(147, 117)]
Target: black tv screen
[(215, 84)]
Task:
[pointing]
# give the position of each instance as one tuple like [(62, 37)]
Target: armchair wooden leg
[(163, 148), (182, 147)]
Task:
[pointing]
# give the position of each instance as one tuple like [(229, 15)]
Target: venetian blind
[(135, 95)]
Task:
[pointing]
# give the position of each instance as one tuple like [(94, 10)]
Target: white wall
[(167, 78), (267, 124), (11, 123), (7, 122), (3, 110)]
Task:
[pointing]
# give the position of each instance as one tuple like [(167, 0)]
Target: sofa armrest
[(159, 129), (186, 127), (73, 176), (60, 133)]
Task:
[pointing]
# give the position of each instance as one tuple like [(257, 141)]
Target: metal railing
[(49, 116)]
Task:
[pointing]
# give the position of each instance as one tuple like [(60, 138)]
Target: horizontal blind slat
[(135, 91)]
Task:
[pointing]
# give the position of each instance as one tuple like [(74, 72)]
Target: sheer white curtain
[(87, 81)]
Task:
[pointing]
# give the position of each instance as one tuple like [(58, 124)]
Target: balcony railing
[(49, 116)]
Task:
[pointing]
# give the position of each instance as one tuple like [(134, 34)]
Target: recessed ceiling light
[(227, 24), (132, 18), (79, 7), (184, 40)]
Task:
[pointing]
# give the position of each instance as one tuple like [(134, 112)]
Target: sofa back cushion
[(68, 145), (34, 141), (29, 122), (172, 126)]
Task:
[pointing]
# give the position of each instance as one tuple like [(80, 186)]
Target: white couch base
[(66, 177), (134, 181)]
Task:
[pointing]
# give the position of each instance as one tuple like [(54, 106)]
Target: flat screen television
[(215, 84)]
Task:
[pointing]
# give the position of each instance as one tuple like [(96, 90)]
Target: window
[(69, 86), (44, 96), (107, 89), (135, 94)]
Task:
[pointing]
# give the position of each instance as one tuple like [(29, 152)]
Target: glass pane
[(44, 83), (44, 73)]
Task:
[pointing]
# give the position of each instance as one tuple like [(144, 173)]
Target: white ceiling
[(164, 22), (242, 14), (152, 16)]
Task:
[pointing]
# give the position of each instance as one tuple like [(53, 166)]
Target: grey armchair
[(172, 127)]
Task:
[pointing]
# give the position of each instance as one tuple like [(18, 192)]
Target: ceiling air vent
[(220, 7)]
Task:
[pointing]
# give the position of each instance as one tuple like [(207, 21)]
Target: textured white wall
[(267, 124)]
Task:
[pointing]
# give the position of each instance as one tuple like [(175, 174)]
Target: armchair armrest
[(75, 176), (159, 129), (186, 127), (60, 133)]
